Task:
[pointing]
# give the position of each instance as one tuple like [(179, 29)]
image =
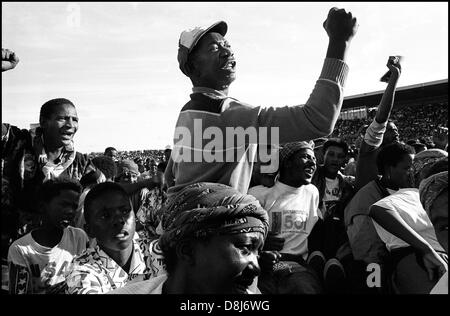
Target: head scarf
[(431, 187), (127, 165), (291, 148), (206, 209), (424, 160)]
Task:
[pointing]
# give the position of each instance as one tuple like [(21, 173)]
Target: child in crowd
[(119, 256), (39, 260)]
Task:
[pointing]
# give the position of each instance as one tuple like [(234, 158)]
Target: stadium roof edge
[(417, 85)]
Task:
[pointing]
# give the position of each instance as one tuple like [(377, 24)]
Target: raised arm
[(318, 116), (387, 100), (341, 27), (392, 222)]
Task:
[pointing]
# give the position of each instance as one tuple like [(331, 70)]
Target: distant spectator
[(111, 152)]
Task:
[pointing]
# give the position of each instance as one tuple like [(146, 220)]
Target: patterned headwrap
[(424, 160), (291, 148), (127, 165), (431, 187), (206, 209)]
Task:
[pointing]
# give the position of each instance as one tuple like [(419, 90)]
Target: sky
[(117, 62)]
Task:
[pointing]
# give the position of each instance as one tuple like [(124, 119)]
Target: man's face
[(226, 264), (391, 135), (113, 154), (112, 221), (61, 127), (213, 61), (334, 159), (402, 174), (60, 211), (303, 165)]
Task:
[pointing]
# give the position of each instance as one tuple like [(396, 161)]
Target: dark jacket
[(329, 233)]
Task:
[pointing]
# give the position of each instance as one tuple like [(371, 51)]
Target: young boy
[(119, 256), (39, 260)]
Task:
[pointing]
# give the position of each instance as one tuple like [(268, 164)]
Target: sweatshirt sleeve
[(374, 133), (318, 116)]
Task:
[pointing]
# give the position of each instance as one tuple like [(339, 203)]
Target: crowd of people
[(169, 222), (416, 122)]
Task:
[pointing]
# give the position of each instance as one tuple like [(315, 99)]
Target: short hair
[(52, 188), (49, 107), (108, 149), (338, 142), (390, 155), (97, 192), (106, 165)]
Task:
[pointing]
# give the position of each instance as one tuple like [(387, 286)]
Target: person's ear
[(186, 252)]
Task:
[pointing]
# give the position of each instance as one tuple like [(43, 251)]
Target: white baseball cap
[(189, 38)]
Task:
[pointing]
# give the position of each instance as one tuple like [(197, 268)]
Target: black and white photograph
[(219, 149)]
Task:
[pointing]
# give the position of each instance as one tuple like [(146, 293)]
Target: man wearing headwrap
[(292, 204), (211, 241)]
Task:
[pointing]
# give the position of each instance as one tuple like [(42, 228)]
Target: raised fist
[(340, 25), (394, 65), (9, 59)]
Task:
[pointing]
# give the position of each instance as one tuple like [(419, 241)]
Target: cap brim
[(220, 27)]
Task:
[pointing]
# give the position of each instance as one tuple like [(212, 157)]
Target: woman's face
[(226, 264)]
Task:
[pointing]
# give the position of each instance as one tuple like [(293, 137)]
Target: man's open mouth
[(230, 64)]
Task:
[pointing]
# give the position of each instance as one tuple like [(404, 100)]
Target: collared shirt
[(94, 272)]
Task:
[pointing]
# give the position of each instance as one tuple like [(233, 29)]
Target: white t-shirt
[(41, 267), (292, 213), (332, 191), (406, 202)]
